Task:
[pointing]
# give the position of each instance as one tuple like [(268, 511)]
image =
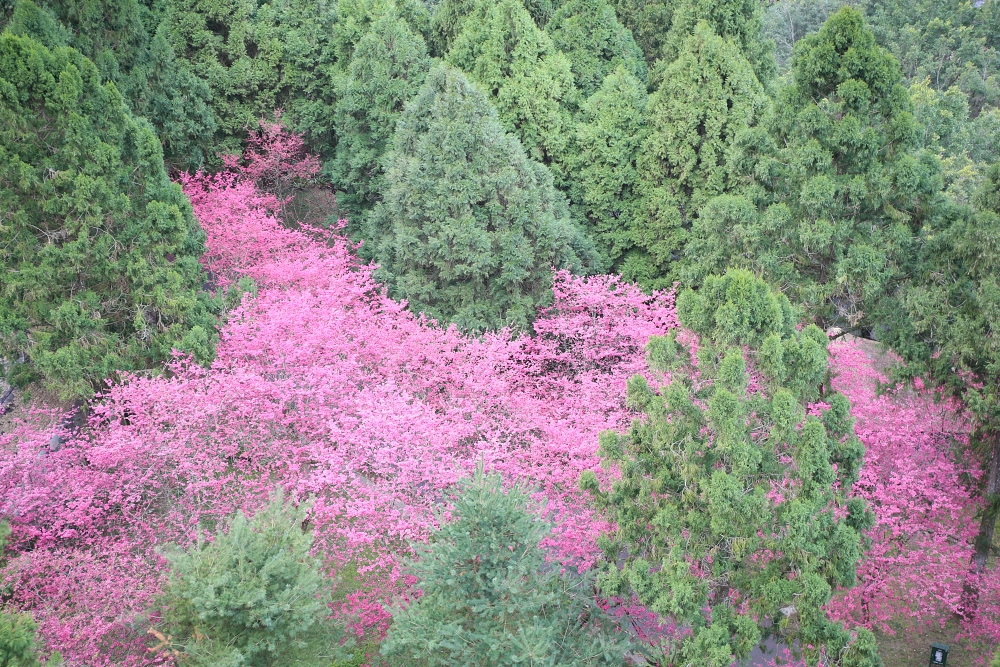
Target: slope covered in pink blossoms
[(328, 388)]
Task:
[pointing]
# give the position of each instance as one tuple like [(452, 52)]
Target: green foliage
[(788, 21), (101, 248), (17, 641), (224, 44), (252, 596), (837, 189), (948, 42), (469, 226), (489, 599), (526, 78), (611, 132), (388, 67), (725, 508), (595, 42), (707, 96), (450, 17)]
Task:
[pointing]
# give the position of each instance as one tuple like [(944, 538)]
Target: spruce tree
[(706, 98), (526, 78), (101, 248), (469, 227), (732, 514), (838, 183), (588, 32), (388, 67), (610, 135), (489, 599)]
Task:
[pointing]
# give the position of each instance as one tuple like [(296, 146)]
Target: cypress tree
[(450, 16), (838, 185), (527, 79), (489, 599), (469, 227), (388, 67), (101, 248), (707, 97), (588, 32), (732, 514), (611, 133)]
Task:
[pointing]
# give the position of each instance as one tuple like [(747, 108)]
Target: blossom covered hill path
[(325, 386)]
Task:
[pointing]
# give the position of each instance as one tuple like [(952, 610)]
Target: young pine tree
[(489, 598), (469, 228), (101, 249), (610, 135), (254, 596), (733, 515), (590, 35), (706, 98), (526, 78), (388, 67)]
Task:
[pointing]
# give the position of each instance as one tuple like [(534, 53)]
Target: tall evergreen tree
[(489, 599), (388, 67), (732, 516), (450, 17), (588, 32), (611, 133), (101, 248), (838, 187), (469, 227), (706, 98), (527, 79)]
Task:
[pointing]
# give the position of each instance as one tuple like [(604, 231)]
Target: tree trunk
[(984, 540)]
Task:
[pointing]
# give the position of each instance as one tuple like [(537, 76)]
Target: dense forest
[(499, 332)]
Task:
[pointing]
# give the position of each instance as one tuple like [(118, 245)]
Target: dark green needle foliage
[(838, 187), (611, 132), (526, 78), (707, 97), (588, 32), (469, 227), (100, 248), (489, 598), (450, 17), (388, 67), (251, 597), (728, 502)]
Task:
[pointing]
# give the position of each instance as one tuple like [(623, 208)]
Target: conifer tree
[(610, 135), (469, 227), (253, 596), (101, 248), (388, 67), (707, 97), (588, 32), (837, 186), (526, 78), (732, 514), (450, 16), (489, 599)]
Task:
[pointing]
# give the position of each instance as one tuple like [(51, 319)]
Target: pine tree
[(595, 42), (611, 133), (388, 67), (838, 182), (101, 248), (731, 514), (469, 227), (489, 599), (253, 596), (706, 98), (526, 78)]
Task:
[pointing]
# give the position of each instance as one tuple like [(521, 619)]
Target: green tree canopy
[(388, 67), (610, 135), (489, 599), (469, 227), (838, 187), (526, 78), (450, 16), (727, 507), (101, 249), (706, 98), (588, 32)]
